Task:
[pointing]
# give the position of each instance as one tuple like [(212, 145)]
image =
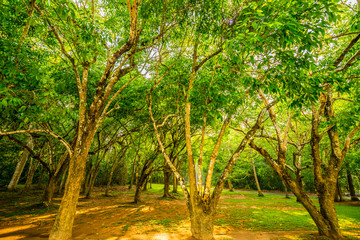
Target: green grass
[(125, 228), (167, 223), (158, 189), (270, 213), (348, 215), (275, 213), (279, 220), (21, 212), (244, 210)]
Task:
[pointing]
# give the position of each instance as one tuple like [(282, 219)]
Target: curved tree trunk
[(32, 169), (132, 175), (351, 185), (39, 184), (175, 184), (89, 193), (325, 217), (20, 166), (49, 191), (260, 194), (110, 178), (62, 228), (338, 194), (231, 189), (87, 175), (144, 175), (285, 188), (125, 174), (150, 182), (94, 173), (137, 174), (137, 196), (145, 188), (325, 220), (62, 183), (51, 186), (140, 185)]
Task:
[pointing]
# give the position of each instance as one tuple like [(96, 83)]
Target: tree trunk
[(231, 189), (145, 185), (340, 193), (89, 193), (337, 196), (132, 175), (351, 185), (151, 179), (32, 169), (62, 183), (110, 178), (327, 210), (167, 175), (137, 197), (88, 174), (20, 166), (175, 184), (144, 175), (137, 174), (202, 222), (286, 190), (39, 184), (260, 194), (140, 185), (49, 191), (325, 219), (62, 228), (125, 170), (94, 173), (54, 178)]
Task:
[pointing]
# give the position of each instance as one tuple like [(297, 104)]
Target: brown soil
[(113, 218)]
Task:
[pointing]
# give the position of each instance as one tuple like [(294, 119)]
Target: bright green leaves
[(276, 46)]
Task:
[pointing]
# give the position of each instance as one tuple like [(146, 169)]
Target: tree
[(201, 203), (20, 166), (260, 194), (326, 175), (84, 36)]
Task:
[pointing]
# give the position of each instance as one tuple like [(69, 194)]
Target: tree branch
[(59, 138), (347, 49), (32, 153)]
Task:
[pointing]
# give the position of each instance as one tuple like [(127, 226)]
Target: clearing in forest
[(241, 215)]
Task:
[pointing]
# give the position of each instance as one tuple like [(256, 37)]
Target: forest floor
[(241, 215)]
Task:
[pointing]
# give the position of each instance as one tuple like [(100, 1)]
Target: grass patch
[(125, 228), (276, 213), (243, 210), (26, 211), (279, 220)]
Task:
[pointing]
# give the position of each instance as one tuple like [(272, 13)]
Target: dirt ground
[(112, 218)]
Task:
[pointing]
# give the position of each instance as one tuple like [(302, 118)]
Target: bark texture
[(202, 222), (260, 194), (32, 169), (351, 185), (145, 173), (20, 166), (325, 172), (167, 177), (231, 189), (62, 228)]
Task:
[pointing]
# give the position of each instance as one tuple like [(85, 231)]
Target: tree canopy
[(187, 87)]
